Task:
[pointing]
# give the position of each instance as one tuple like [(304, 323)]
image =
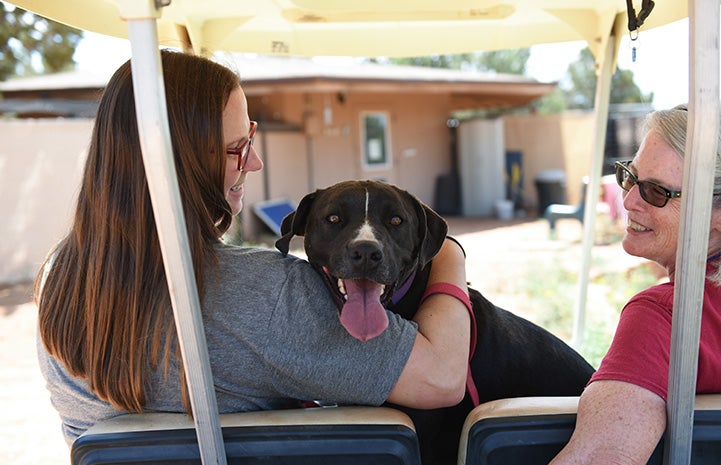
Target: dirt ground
[(30, 428), (498, 251)]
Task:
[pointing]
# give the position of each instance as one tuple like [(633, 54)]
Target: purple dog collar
[(400, 293)]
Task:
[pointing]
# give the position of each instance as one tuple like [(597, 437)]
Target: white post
[(699, 164), (150, 106), (603, 95)]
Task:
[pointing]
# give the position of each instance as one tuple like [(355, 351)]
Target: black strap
[(636, 21)]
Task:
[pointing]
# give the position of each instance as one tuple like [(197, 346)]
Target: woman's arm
[(617, 423), (435, 373)]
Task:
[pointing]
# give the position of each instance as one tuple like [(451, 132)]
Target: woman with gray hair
[(622, 412)]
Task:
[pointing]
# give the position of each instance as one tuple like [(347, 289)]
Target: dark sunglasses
[(651, 193), (243, 150)]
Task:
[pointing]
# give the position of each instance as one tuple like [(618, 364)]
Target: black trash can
[(448, 194), (551, 186)]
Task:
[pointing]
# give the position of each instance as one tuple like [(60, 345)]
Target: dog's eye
[(333, 219), (395, 220)]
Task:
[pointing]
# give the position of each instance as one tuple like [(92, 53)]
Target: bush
[(553, 288)]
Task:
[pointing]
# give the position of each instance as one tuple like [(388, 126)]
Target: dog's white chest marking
[(366, 232)]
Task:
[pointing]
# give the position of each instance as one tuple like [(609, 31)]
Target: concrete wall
[(331, 149), (41, 164), (562, 141)]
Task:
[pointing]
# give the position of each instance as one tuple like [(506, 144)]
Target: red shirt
[(640, 351)]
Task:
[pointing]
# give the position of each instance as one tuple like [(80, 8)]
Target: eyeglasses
[(243, 150), (651, 193)]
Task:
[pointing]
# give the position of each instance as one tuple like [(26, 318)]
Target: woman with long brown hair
[(107, 341)]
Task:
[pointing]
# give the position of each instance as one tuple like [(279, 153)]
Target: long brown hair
[(104, 310)]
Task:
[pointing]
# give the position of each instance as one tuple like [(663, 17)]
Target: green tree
[(553, 102), (502, 61), (31, 44), (512, 61), (435, 61), (579, 86)]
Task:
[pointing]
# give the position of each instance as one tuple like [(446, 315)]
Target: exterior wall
[(419, 138), (562, 141), (420, 141), (41, 162)]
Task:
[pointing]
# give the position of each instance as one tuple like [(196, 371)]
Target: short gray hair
[(670, 125)]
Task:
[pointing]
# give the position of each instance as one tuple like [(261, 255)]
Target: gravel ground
[(30, 429), (498, 253)]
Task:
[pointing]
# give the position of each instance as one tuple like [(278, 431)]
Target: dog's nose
[(366, 254)]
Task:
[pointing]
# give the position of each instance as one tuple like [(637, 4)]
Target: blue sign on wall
[(272, 212)]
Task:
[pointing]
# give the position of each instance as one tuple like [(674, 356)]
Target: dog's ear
[(432, 230), (436, 230), (286, 231), (294, 223)]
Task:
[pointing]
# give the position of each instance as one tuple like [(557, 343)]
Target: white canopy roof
[(367, 28)]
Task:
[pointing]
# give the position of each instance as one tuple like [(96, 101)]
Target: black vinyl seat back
[(531, 431), (343, 436), (528, 439)]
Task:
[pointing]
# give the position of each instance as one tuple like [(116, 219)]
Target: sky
[(661, 64)]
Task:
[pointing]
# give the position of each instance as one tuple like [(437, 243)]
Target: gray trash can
[(551, 186)]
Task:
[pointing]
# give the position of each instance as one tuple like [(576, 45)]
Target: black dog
[(379, 240)]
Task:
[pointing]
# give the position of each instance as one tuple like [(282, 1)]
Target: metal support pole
[(603, 92), (159, 165), (699, 163)]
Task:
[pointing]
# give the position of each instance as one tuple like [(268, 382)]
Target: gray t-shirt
[(274, 338)]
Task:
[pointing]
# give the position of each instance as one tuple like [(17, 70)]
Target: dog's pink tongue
[(362, 315)]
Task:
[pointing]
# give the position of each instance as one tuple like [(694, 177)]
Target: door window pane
[(376, 146)]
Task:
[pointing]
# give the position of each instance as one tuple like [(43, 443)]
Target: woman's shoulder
[(661, 293), (256, 255), (264, 264), (653, 303)]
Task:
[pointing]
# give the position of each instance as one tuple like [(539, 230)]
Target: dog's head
[(368, 238)]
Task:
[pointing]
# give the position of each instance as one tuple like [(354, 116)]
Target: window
[(376, 140)]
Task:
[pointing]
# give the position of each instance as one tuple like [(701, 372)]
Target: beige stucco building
[(319, 124)]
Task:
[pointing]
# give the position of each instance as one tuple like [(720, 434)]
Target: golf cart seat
[(532, 430), (338, 435)]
